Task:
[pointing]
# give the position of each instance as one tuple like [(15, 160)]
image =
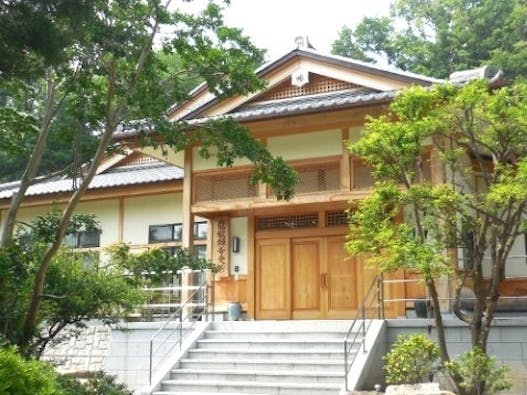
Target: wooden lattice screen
[(318, 178), (334, 218), (138, 159), (317, 84), (287, 222), (212, 187)]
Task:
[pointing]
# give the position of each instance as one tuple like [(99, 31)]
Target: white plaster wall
[(107, 213), (355, 134), (517, 263), (176, 158), (239, 226), (27, 214), (199, 163), (140, 212), (306, 145)]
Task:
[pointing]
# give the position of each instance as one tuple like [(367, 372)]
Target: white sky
[(274, 24)]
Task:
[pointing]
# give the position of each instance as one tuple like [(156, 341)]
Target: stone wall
[(83, 353), (507, 342)]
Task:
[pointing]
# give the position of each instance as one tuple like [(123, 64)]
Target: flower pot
[(234, 310)]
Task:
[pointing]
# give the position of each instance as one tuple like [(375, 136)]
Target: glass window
[(162, 233), (83, 239), (201, 251), (200, 230), (89, 238)]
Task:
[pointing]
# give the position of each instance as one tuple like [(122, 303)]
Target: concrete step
[(247, 387), (284, 326), (284, 364), (262, 376), (276, 344), (197, 393), (270, 354), (269, 333)]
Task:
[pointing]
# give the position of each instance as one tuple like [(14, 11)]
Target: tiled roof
[(115, 177), (303, 104), (295, 105)]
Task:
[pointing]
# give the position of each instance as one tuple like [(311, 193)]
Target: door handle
[(324, 280)]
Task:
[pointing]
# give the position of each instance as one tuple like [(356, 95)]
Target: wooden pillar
[(188, 218), (345, 168), (251, 258), (120, 231), (262, 188)]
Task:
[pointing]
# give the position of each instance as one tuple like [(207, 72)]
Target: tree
[(106, 72), (79, 286), (437, 37), (478, 141)]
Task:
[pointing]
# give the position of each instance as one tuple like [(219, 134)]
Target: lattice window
[(362, 175), (335, 218), (223, 187), (317, 178), (288, 222), (138, 160), (317, 84)]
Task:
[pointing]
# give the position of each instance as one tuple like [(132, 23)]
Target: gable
[(317, 84), (301, 74)]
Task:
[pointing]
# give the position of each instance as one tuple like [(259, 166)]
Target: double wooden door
[(305, 278)]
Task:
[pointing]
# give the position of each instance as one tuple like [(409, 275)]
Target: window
[(172, 251), (83, 239), (201, 251), (200, 230), (164, 233)]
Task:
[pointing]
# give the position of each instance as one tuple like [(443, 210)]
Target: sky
[(274, 24)]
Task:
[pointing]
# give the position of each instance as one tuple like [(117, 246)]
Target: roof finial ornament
[(302, 42)]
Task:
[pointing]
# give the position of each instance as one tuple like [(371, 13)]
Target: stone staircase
[(263, 357)]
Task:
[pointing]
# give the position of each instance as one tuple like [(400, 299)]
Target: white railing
[(196, 307)]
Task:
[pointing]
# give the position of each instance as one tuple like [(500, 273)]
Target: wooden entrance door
[(305, 278)]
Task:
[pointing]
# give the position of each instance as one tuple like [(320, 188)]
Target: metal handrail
[(349, 342), (179, 317)]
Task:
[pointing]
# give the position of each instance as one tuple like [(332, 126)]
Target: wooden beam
[(346, 118), (101, 194), (331, 198)]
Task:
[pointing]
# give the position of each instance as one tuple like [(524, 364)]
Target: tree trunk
[(438, 319), (33, 165)]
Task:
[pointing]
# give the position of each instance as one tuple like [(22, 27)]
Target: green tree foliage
[(98, 384), (478, 373), (98, 70), (412, 359), (437, 37), (76, 289), (25, 377), (476, 204)]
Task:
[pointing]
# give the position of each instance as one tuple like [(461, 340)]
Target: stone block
[(414, 389)]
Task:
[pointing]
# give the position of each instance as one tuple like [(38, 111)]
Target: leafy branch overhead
[(102, 64)]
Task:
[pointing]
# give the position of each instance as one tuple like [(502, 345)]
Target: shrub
[(476, 373), (411, 360), (25, 376)]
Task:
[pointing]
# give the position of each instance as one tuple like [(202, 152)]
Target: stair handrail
[(360, 317), (196, 315)]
